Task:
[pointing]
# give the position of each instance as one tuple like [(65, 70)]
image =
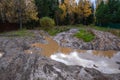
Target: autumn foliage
[(9, 10), (70, 9)]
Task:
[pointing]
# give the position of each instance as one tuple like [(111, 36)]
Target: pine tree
[(108, 12), (100, 13), (47, 8)]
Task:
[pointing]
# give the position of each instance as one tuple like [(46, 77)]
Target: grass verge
[(116, 32), (19, 33), (57, 30)]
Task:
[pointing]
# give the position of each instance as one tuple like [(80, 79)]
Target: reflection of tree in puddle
[(108, 54)]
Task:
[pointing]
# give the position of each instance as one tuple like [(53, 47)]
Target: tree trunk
[(3, 15), (20, 14), (85, 21)]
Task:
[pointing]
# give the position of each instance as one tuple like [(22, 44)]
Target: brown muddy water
[(104, 61)]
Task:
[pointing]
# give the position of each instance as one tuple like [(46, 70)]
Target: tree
[(91, 18), (113, 9), (83, 10), (31, 10), (118, 14), (68, 7), (108, 12), (58, 12), (12, 10), (7, 10), (98, 2), (2, 10), (102, 14), (64, 12), (87, 11), (47, 7), (43, 7)]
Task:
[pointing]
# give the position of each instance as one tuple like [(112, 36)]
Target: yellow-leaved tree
[(83, 10), (87, 9), (31, 10), (64, 9), (10, 9), (68, 8), (79, 9)]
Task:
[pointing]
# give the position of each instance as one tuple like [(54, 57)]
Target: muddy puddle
[(51, 47), (104, 61)]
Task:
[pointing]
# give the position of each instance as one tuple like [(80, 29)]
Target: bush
[(47, 23)]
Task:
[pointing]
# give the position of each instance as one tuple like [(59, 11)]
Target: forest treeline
[(108, 12), (63, 12)]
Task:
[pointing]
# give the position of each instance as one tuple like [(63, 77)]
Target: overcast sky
[(93, 1), (90, 0)]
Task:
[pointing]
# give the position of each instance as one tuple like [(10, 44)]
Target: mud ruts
[(16, 64)]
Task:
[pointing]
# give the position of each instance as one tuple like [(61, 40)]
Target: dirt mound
[(103, 41)]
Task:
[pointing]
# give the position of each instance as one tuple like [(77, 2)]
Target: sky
[(93, 1), (90, 0)]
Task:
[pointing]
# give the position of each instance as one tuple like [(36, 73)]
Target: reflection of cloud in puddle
[(1, 54), (103, 64), (28, 51), (104, 61)]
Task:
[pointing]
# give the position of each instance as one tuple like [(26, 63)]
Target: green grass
[(85, 35), (57, 30), (19, 33), (116, 32), (106, 29), (53, 32)]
